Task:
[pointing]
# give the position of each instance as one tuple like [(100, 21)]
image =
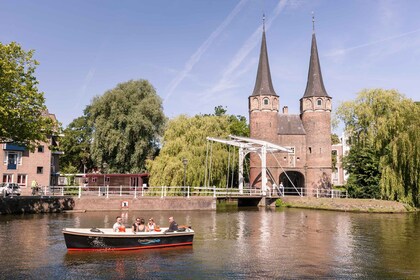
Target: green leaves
[(127, 122), (76, 144), (24, 118), (185, 137), (385, 142)]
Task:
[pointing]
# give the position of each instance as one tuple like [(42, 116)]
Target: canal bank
[(56, 204), (346, 204)]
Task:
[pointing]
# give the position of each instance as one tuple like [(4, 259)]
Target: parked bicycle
[(37, 190)]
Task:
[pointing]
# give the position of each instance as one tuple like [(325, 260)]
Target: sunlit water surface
[(229, 244)]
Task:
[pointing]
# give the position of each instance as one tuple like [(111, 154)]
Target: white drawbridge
[(249, 145)]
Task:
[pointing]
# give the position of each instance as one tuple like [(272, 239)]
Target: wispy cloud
[(341, 52), (231, 73), (201, 50)]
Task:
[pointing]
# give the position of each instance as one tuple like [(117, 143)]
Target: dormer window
[(319, 102), (265, 101)]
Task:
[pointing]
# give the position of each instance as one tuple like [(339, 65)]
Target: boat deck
[(128, 233)]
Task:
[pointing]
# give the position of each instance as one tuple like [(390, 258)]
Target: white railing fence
[(180, 191)]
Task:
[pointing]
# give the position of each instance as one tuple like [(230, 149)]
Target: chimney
[(285, 110)]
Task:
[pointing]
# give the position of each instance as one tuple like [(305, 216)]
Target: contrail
[(244, 51), (343, 51), (197, 55)]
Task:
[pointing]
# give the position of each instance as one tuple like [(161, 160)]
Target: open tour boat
[(81, 239)]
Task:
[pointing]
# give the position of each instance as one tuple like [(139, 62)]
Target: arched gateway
[(293, 182)]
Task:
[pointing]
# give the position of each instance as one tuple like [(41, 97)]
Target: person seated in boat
[(118, 226), (135, 226), (151, 224), (142, 227), (173, 226)]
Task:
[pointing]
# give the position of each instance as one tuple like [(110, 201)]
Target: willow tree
[(185, 138), (76, 146), (24, 119), (127, 124), (383, 130)]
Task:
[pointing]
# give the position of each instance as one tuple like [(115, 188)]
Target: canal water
[(229, 244)]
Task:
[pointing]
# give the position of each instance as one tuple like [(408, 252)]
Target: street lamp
[(185, 162), (105, 165)]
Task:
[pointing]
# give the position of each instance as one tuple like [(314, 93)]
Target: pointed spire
[(263, 83), (315, 84), (313, 22)]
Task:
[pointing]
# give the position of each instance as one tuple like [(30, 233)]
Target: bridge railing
[(185, 191)]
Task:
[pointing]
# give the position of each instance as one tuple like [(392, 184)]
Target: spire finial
[(263, 22), (313, 22)]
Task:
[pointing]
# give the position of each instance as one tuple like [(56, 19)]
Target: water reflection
[(229, 244)]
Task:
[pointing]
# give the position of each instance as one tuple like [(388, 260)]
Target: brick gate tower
[(307, 134), (315, 112), (263, 109)]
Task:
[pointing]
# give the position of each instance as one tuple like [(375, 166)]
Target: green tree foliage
[(127, 123), (219, 110), (185, 137), (362, 163), (334, 140), (76, 144), (24, 119), (385, 142)]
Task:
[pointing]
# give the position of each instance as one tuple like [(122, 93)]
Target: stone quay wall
[(35, 204), (144, 203), (55, 204)]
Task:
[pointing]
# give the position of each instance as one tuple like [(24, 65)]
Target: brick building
[(307, 134), (23, 166)]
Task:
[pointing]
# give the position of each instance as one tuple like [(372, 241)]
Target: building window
[(7, 178), (39, 170), (319, 102), (21, 180), (291, 156), (107, 179), (12, 159), (310, 150), (40, 149), (266, 101), (93, 179)]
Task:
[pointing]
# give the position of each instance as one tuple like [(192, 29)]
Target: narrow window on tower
[(310, 150), (319, 102), (266, 101)]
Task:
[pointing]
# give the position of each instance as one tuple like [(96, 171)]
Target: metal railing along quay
[(185, 191)]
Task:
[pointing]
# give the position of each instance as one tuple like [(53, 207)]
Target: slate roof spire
[(263, 83), (315, 84)]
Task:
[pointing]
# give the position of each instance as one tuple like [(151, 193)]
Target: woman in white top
[(151, 224)]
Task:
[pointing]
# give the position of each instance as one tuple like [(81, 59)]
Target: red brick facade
[(19, 165), (307, 134)]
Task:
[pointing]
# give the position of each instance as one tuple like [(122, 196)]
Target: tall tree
[(76, 146), (383, 129), (185, 138), (24, 119), (127, 123)]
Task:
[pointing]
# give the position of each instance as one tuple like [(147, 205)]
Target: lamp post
[(105, 165), (185, 162)]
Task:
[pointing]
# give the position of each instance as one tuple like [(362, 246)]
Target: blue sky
[(201, 54)]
